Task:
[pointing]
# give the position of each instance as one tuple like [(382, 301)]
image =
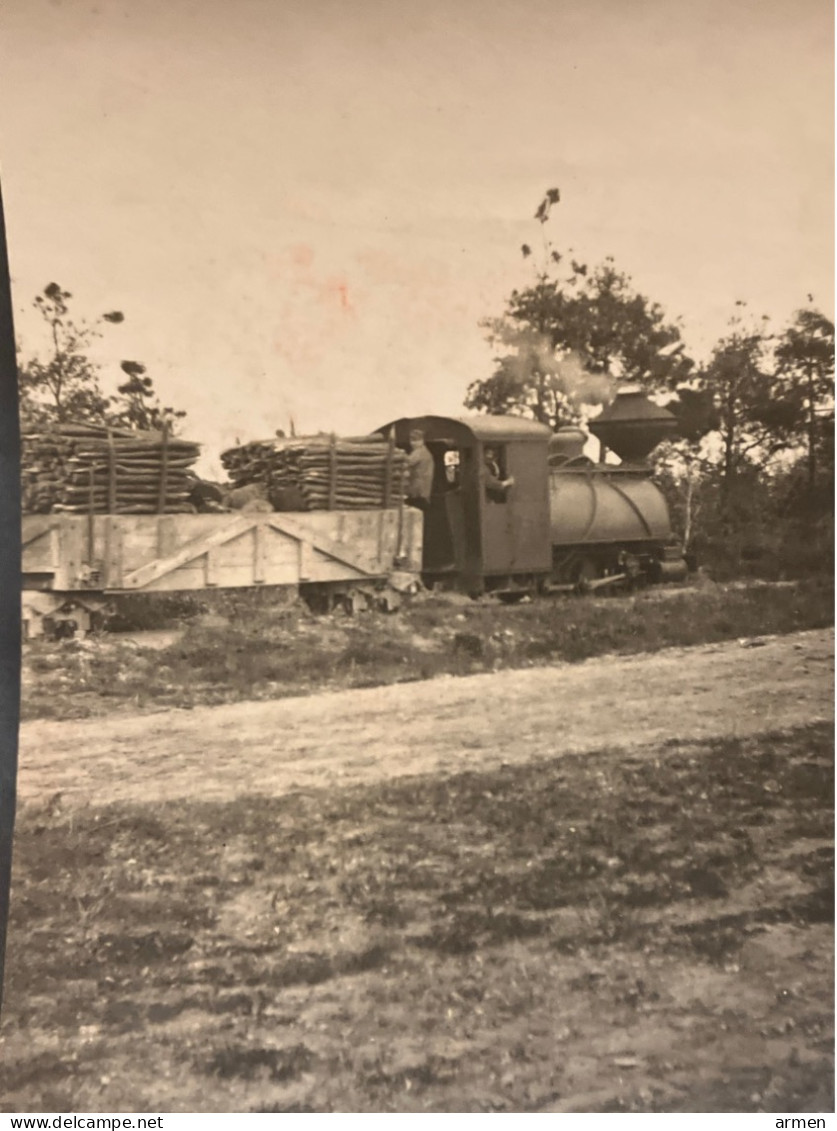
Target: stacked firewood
[(85, 468), (321, 472)]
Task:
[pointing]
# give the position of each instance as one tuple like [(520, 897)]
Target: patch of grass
[(420, 911), (270, 650), (484, 855), (247, 1063)]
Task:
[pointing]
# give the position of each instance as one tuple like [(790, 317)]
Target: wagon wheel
[(513, 597)]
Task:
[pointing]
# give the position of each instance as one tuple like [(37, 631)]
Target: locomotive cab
[(486, 527)]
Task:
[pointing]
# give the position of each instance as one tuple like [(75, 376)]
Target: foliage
[(742, 415), (755, 406), (805, 359), (64, 386), (569, 336), (681, 464), (137, 405), (759, 529), (696, 413), (756, 419)]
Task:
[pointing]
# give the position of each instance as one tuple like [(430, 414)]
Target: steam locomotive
[(564, 523)]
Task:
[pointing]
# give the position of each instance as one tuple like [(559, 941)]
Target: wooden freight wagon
[(73, 563)]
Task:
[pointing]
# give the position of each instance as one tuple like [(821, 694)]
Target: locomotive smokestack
[(633, 425)]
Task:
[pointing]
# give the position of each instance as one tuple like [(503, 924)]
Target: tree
[(569, 337), (64, 386), (756, 419), (137, 404), (535, 379), (732, 476), (805, 359), (682, 464)]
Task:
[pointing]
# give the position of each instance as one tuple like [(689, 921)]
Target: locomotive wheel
[(585, 572)]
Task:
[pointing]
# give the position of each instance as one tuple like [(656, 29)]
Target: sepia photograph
[(418, 428)]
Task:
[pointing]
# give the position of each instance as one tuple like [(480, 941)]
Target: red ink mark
[(339, 288)]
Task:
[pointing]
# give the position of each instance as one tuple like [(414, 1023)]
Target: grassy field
[(612, 932), (262, 648)]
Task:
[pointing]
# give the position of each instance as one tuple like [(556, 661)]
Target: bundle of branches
[(85, 468), (41, 471), (322, 472)]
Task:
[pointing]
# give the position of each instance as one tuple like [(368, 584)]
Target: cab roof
[(485, 429)]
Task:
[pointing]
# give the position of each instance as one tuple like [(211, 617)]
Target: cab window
[(452, 468), (495, 472), (447, 466)]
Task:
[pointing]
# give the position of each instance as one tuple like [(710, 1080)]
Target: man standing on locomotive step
[(419, 472)]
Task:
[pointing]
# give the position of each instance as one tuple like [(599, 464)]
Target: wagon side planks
[(77, 556)]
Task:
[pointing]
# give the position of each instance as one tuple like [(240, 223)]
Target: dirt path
[(445, 725)]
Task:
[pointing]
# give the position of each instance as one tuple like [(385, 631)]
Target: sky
[(305, 208)]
